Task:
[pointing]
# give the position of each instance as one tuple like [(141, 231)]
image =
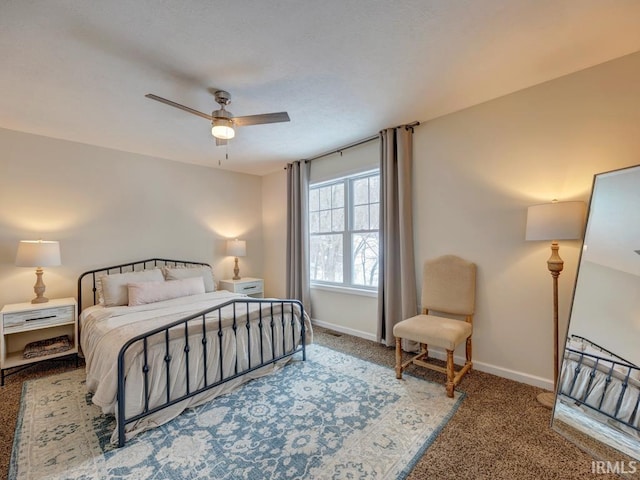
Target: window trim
[(339, 288), (347, 237)]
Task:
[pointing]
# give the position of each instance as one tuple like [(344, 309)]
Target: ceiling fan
[(223, 122)]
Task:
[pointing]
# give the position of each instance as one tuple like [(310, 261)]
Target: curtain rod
[(343, 148), (356, 143)]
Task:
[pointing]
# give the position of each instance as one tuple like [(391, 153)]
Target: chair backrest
[(449, 285)]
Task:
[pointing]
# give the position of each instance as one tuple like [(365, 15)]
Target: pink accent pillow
[(141, 293), (114, 286)]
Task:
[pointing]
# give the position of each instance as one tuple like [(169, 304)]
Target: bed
[(158, 338), (602, 384)]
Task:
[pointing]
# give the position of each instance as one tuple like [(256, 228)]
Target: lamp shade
[(38, 253), (236, 248), (555, 221)]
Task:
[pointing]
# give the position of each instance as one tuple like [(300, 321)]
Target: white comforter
[(105, 330), (601, 387)]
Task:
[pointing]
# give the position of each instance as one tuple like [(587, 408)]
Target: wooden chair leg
[(450, 373), (398, 358), (424, 350), (469, 350)]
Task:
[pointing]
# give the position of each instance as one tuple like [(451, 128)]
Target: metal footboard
[(196, 328), (200, 339), (622, 372)]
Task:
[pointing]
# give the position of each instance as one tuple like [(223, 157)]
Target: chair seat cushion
[(434, 331)]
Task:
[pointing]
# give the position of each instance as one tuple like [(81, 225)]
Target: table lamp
[(236, 248), (38, 253)]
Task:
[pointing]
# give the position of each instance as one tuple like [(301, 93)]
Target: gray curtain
[(397, 280), (297, 281)]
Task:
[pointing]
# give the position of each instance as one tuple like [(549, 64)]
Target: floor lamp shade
[(236, 248), (555, 221), (38, 253)]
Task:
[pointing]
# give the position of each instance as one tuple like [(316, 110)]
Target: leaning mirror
[(598, 395)]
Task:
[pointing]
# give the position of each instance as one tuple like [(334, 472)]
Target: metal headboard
[(604, 350), (126, 267)]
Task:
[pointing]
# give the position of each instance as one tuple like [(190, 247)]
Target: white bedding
[(105, 330), (581, 380)]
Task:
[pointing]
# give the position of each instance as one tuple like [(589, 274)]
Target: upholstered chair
[(448, 303)]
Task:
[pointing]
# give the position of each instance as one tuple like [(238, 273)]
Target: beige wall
[(476, 172), (107, 207)]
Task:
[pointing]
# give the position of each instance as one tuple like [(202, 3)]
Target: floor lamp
[(555, 221)]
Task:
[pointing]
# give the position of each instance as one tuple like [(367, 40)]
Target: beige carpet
[(499, 431)]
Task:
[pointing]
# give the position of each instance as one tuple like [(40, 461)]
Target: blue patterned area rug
[(331, 417)]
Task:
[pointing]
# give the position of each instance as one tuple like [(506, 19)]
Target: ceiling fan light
[(222, 129)]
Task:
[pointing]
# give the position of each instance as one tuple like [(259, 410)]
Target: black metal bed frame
[(594, 368), (199, 321)]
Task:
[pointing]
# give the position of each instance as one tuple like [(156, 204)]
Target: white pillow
[(178, 273), (576, 344), (99, 289), (141, 293), (114, 287)]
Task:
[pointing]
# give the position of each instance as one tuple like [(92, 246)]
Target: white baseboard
[(480, 366), (500, 371), (527, 378), (342, 329)]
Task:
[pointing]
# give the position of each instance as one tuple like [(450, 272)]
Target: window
[(343, 227)]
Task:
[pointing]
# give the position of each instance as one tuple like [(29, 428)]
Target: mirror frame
[(604, 450)]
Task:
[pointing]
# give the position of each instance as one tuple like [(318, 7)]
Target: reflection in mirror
[(598, 399)]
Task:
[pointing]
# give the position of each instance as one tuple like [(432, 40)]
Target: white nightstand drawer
[(249, 287), (253, 287), (44, 317)]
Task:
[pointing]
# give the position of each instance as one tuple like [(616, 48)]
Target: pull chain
[(226, 154)]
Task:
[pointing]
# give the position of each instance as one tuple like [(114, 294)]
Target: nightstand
[(254, 287), (22, 324)]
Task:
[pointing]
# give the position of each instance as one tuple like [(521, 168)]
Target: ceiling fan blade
[(220, 142), (260, 119), (177, 105)]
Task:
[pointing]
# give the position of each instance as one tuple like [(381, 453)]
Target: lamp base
[(39, 288), (236, 271), (547, 399)]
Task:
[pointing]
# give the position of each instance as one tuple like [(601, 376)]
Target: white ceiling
[(344, 69)]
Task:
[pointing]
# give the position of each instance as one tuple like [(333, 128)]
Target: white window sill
[(345, 290)]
